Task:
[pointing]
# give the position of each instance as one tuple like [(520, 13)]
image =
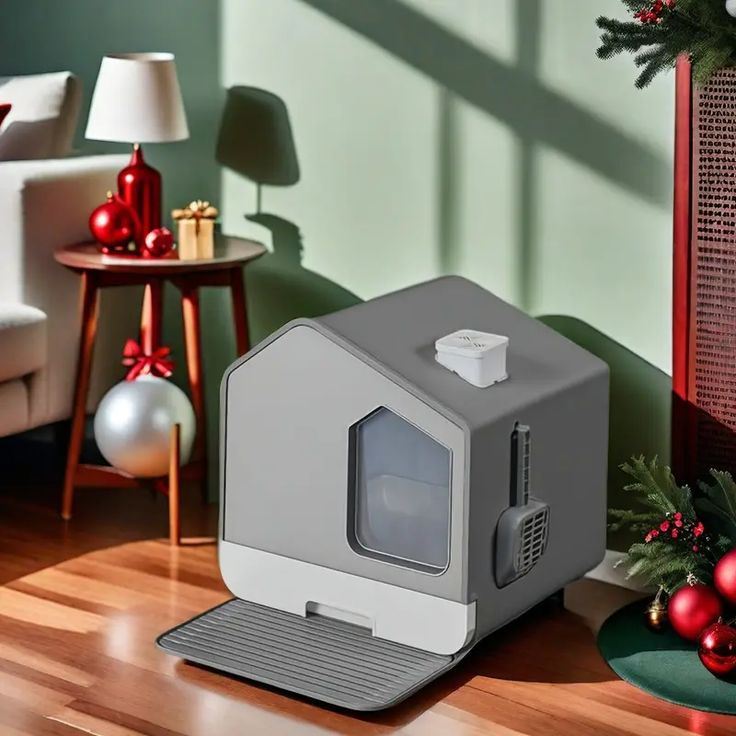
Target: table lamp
[(137, 100)]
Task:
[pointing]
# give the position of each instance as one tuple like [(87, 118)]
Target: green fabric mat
[(662, 664)]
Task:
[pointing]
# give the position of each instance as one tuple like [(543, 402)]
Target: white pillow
[(43, 118)]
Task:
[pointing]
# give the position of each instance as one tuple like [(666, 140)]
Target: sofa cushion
[(22, 340), (43, 117)]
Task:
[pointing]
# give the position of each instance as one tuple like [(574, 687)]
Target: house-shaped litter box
[(380, 513)]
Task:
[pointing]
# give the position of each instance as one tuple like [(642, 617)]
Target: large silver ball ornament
[(731, 8), (133, 425)]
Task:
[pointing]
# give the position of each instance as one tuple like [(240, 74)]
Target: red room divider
[(704, 275)]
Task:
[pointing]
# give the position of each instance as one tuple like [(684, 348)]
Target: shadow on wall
[(281, 289), (256, 141), (640, 407)]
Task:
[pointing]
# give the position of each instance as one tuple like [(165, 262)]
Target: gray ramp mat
[(332, 661)]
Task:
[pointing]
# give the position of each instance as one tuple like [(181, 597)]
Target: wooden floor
[(32, 535), (81, 604)]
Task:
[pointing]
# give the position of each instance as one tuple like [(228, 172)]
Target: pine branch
[(656, 488), (662, 565), (676, 542), (722, 492), (646, 57), (655, 64), (717, 505), (636, 522), (701, 29), (622, 26)]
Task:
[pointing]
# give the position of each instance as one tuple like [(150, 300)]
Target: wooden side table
[(100, 271)]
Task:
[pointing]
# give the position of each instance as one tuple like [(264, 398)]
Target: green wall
[(52, 35), (479, 137), (47, 35)]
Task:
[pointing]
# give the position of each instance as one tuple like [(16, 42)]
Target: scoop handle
[(520, 455)]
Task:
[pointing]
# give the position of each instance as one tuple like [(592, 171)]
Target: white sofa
[(45, 203)]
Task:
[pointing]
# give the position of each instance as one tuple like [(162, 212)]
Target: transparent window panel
[(400, 493)]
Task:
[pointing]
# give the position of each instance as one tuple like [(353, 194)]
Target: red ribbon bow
[(142, 364)]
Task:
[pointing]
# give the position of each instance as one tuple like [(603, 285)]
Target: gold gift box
[(196, 225)]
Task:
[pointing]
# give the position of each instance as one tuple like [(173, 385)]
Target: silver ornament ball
[(133, 425), (731, 8)]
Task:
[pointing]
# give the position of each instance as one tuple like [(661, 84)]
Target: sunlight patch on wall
[(605, 256)]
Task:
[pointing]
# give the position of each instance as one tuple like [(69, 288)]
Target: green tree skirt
[(662, 664)]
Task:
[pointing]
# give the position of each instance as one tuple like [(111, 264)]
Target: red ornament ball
[(159, 243), (724, 576), (717, 649), (693, 608), (114, 223)]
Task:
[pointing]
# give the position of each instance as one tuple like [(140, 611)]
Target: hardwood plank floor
[(82, 602), (33, 537)]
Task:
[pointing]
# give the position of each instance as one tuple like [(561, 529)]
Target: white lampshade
[(137, 100)]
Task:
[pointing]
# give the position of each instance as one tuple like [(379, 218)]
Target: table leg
[(193, 343), (151, 316), (89, 310), (240, 313), (174, 495)]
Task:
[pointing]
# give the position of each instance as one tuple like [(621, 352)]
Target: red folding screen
[(704, 273)]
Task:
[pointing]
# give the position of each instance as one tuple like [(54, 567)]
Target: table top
[(77, 655), (230, 251)]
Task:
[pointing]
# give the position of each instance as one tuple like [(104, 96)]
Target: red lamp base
[(139, 185)]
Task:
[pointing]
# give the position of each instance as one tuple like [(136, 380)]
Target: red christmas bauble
[(724, 576), (114, 223), (717, 649), (159, 243), (693, 608)]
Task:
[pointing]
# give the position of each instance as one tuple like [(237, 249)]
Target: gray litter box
[(399, 479)]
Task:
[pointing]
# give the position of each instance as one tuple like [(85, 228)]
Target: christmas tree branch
[(680, 536), (702, 29)]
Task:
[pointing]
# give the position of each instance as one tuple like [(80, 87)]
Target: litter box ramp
[(331, 661)]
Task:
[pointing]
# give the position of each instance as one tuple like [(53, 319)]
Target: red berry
[(664, 526), (678, 515), (695, 548), (675, 534)]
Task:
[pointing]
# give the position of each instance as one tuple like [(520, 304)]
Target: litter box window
[(399, 507)]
